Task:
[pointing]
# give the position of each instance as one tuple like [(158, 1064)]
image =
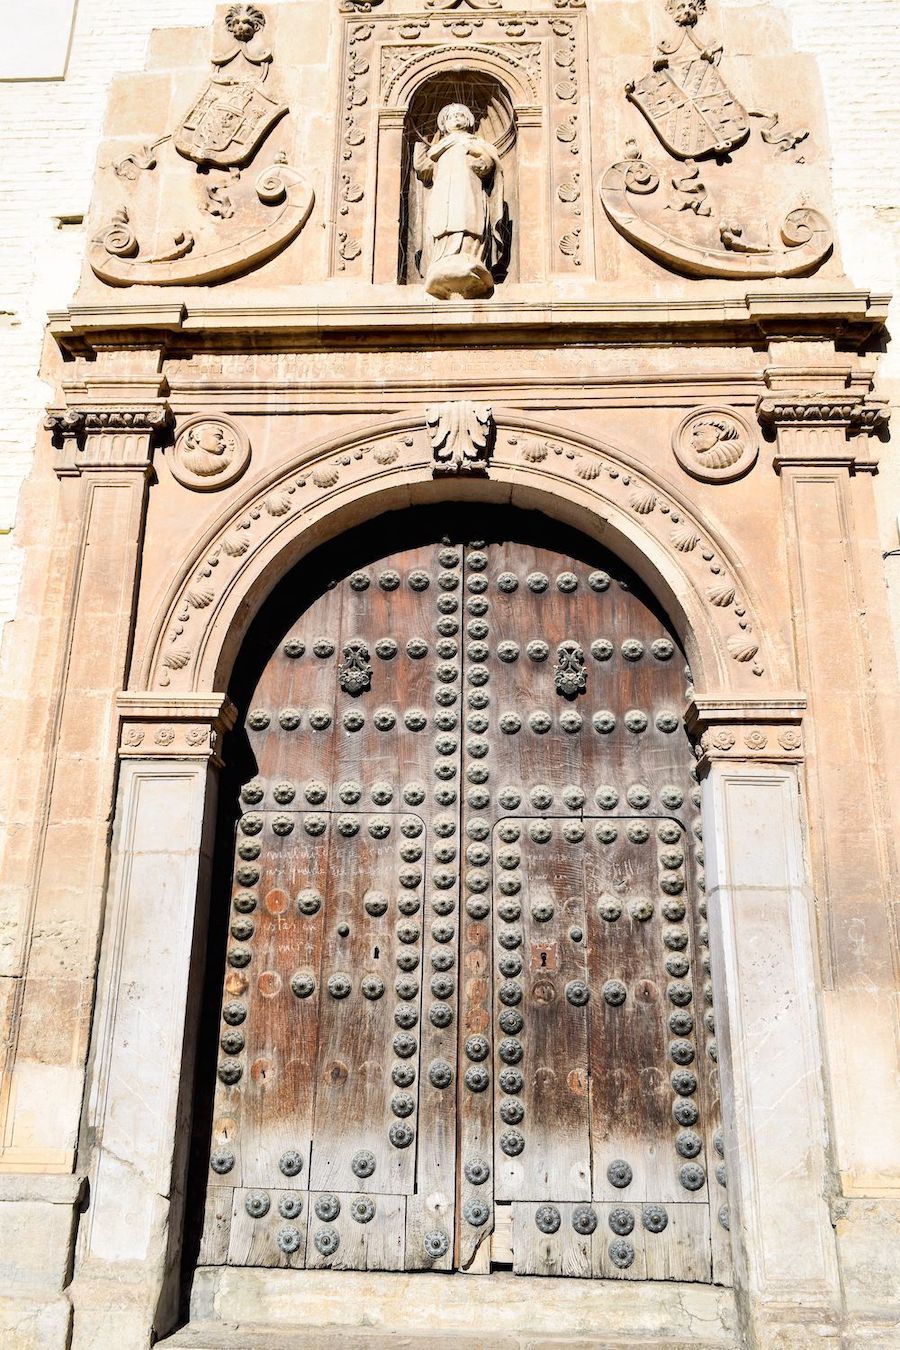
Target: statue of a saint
[(464, 216)]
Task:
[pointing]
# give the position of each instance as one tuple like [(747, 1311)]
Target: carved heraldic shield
[(691, 109), (227, 123)]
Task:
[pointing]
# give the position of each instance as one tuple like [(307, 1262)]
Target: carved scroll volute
[(570, 675), (355, 671)]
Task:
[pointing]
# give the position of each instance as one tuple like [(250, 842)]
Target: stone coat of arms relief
[(695, 116), (238, 223)]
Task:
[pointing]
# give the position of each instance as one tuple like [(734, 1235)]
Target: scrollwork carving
[(462, 436)]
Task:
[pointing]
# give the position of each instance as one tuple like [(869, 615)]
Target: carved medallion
[(715, 445), (209, 453)]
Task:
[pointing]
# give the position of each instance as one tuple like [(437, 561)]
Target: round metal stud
[(578, 993), (476, 1078), (547, 1218), (405, 1045), (302, 984), (362, 1209), (288, 1239), (476, 1212), (234, 1013), (614, 993), (363, 1163), (512, 1142), (584, 1220), (619, 1174), (440, 1074), (436, 1244), (692, 1176), (290, 1206), (621, 1221), (230, 1072), (511, 1080), (477, 1171), (685, 1112), (290, 1163), (339, 986), (326, 1241), (221, 1161), (400, 1135), (257, 1204), (654, 1218), (621, 1253)]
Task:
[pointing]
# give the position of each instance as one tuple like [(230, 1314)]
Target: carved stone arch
[(586, 483), (505, 66)]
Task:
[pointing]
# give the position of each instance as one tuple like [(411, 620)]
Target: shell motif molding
[(210, 452), (322, 483), (715, 444)]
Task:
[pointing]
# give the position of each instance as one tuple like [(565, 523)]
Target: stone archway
[(749, 748)]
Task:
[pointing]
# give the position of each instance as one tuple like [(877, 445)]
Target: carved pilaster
[(829, 426)]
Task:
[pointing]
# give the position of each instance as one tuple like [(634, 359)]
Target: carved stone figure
[(464, 218)]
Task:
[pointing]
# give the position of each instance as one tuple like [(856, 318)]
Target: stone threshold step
[(216, 1336)]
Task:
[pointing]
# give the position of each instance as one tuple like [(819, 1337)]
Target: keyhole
[(543, 960), (375, 953)]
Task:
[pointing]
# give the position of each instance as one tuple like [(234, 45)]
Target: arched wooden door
[(466, 1018)]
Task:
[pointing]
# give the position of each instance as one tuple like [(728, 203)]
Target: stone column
[(142, 1059), (764, 981), (823, 420)]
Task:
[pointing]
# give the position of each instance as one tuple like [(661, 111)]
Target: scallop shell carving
[(721, 595), (176, 658), (588, 470), (742, 648), (534, 453), (386, 454), (685, 539), (326, 476), (642, 502), (198, 597), (235, 546), (278, 504)]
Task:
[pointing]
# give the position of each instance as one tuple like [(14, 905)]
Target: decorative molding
[(832, 427), (210, 452), (715, 444), (106, 438), (209, 325), (167, 727)]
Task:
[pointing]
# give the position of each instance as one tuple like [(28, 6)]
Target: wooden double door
[(466, 1018)]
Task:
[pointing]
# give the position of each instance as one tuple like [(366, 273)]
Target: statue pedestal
[(459, 275)]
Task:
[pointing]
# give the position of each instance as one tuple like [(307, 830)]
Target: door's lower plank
[(356, 1232), (268, 1228)]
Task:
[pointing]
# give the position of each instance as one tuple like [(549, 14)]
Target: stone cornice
[(747, 316)]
